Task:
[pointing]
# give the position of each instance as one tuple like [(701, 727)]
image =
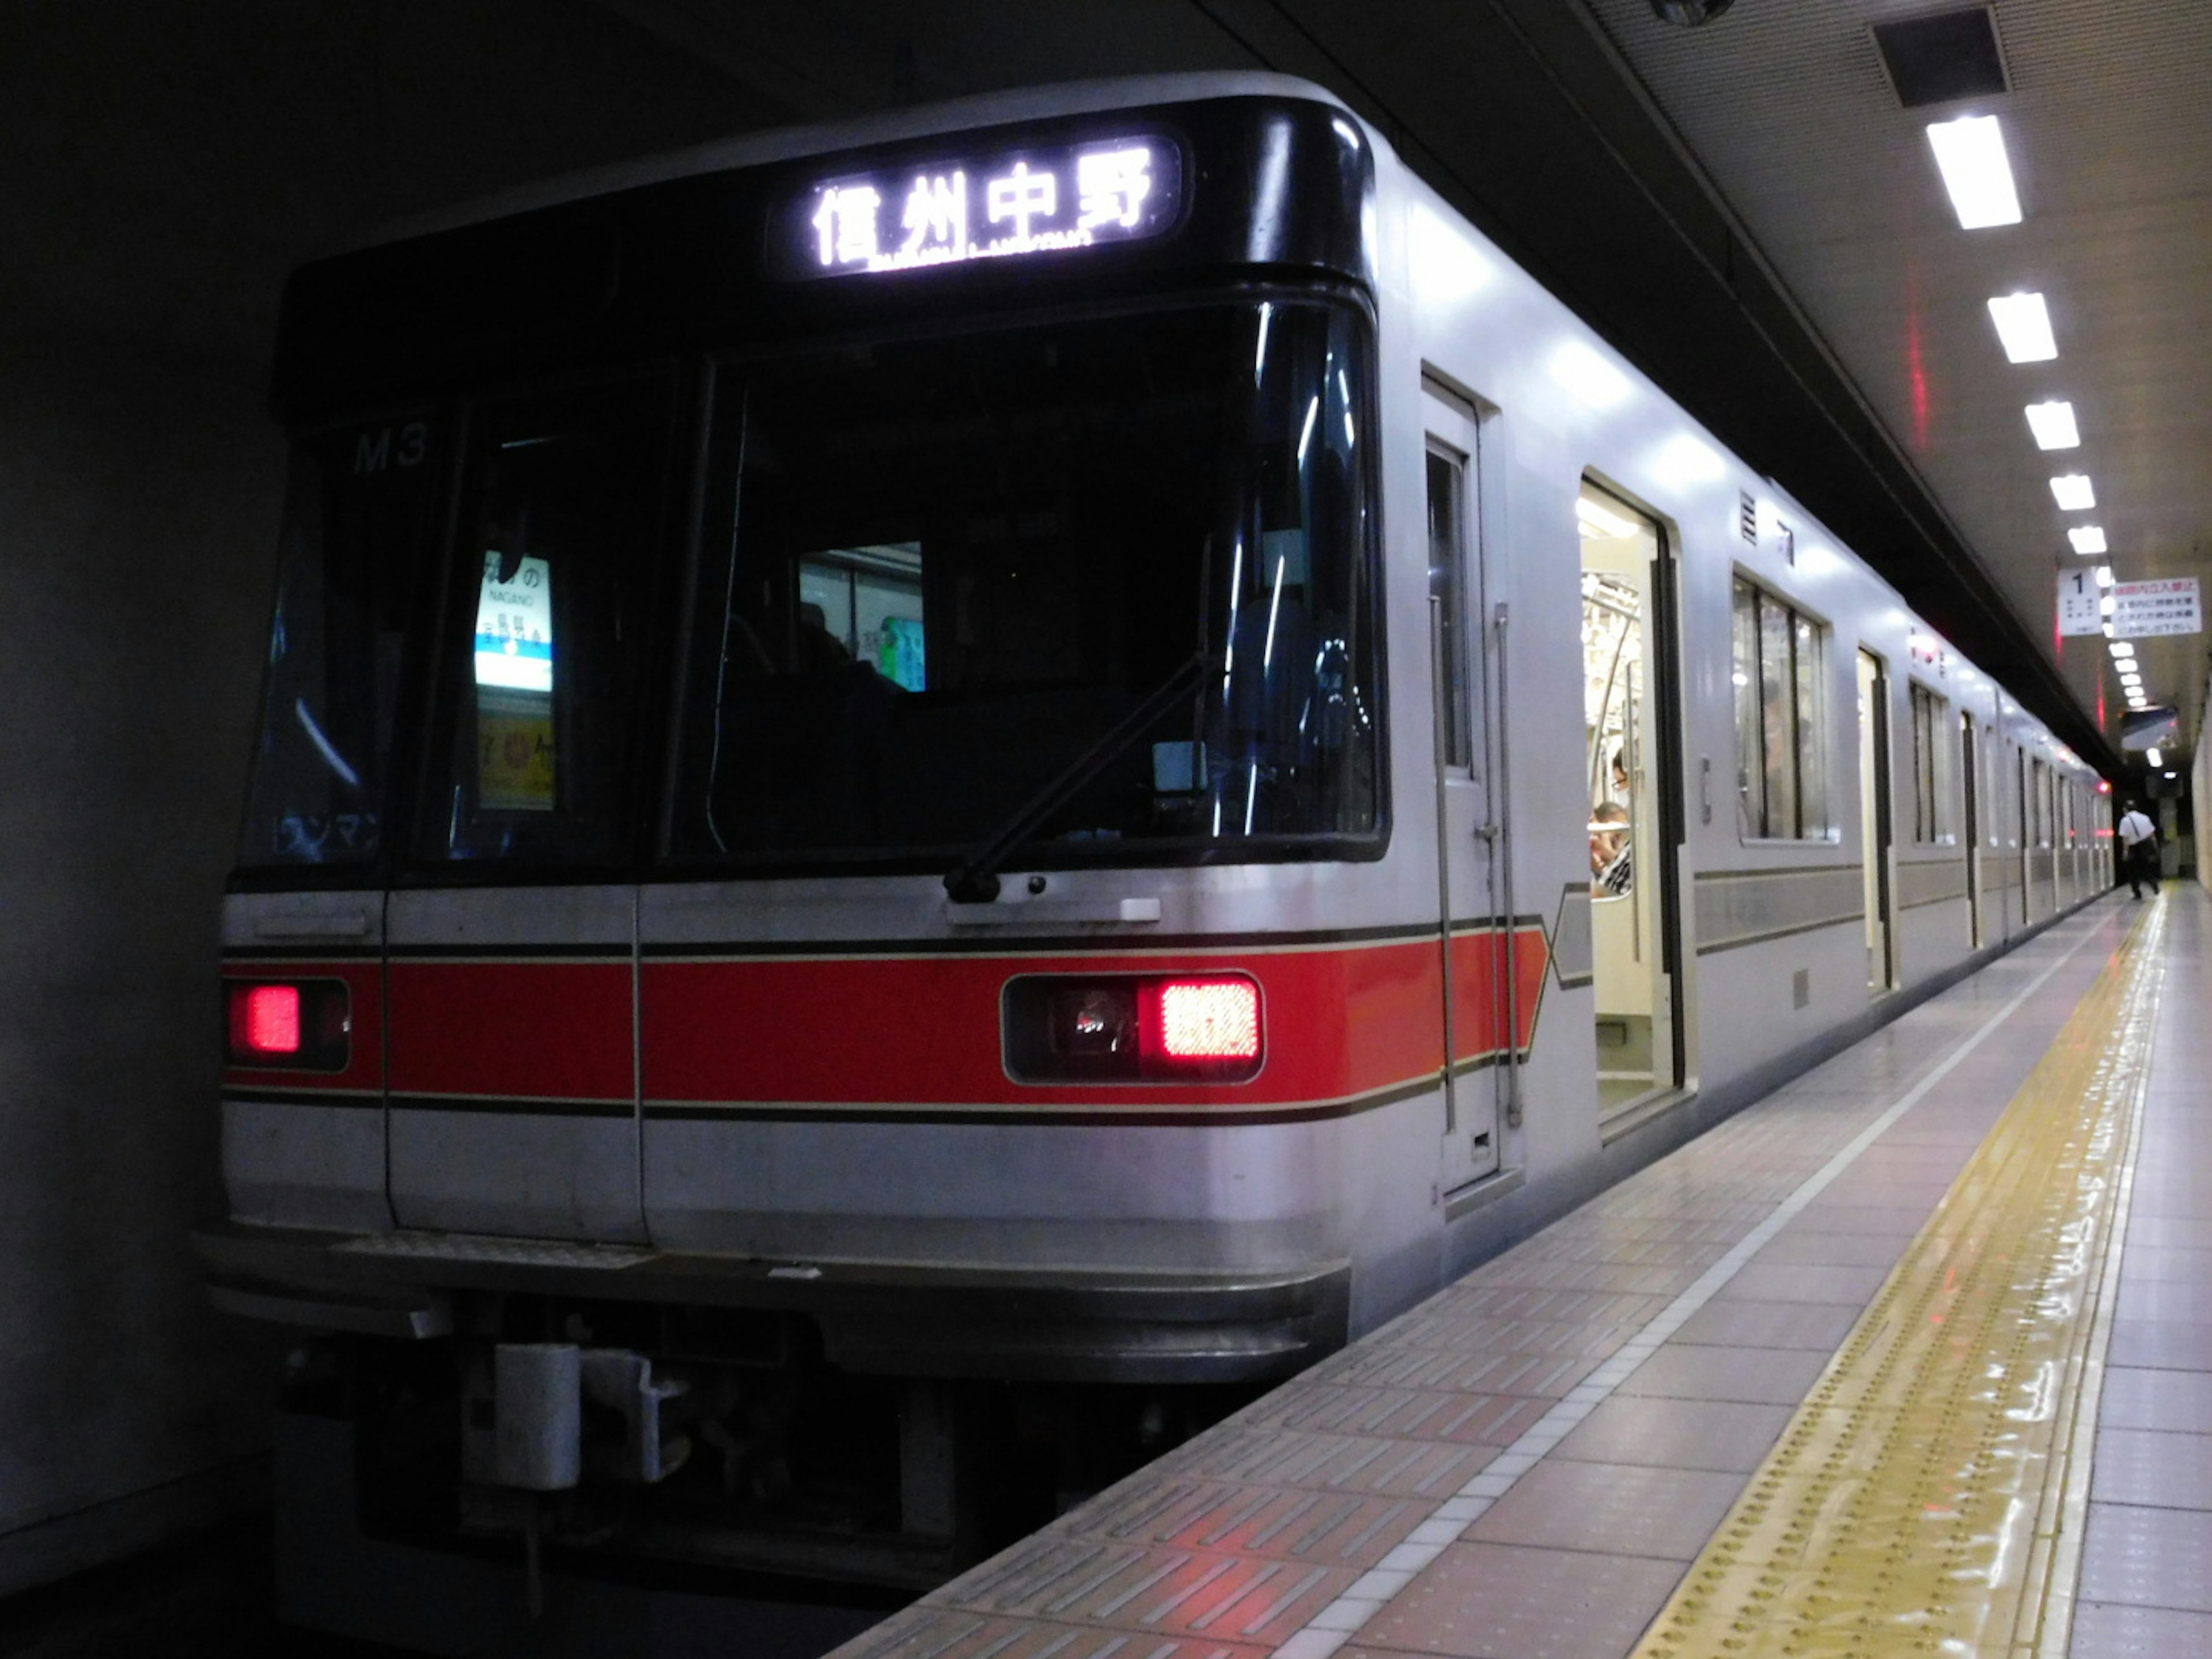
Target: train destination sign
[(1027, 203)]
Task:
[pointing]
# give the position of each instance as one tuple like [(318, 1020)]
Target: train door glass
[(511, 1006), (1874, 816), (1970, 781), (1478, 1013), (2024, 860), (1625, 783)]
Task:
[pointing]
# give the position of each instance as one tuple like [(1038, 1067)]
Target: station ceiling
[(1749, 208)]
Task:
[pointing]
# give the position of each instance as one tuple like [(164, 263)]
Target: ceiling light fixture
[(1970, 154), (2053, 425), (2086, 538), (2154, 757), (2121, 648), (2074, 492), (2104, 575), (2024, 328), (1598, 522)]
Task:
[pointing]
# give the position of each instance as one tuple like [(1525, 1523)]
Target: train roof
[(993, 109)]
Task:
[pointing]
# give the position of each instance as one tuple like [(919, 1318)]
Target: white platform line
[(1336, 1624)]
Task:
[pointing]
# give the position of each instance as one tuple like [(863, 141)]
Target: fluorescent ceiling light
[(2074, 492), (2104, 575), (1589, 376), (1597, 520), (2024, 328), (2121, 648), (2087, 538), (2106, 605), (2053, 426), (1970, 154), (2154, 757)]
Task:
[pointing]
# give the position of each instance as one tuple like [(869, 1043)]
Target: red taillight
[(1216, 1019), (264, 1020), (1132, 1027), (303, 1026)]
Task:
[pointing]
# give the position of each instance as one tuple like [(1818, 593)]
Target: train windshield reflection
[(954, 563)]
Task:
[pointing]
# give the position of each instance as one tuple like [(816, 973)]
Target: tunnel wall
[(167, 163)]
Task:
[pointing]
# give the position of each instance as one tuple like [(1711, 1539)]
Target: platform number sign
[(2078, 609)]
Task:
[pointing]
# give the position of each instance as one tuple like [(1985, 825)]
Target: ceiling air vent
[(1942, 58)]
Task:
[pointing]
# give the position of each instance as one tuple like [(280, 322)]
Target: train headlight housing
[(1132, 1027), (293, 1025)]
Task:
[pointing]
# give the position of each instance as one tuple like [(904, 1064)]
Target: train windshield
[(946, 567), (356, 530)]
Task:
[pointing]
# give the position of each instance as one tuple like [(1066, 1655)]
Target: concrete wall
[(166, 163)]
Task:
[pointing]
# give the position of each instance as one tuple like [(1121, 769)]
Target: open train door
[(1482, 997), (1629, 780)]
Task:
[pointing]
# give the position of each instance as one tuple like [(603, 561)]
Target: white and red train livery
[(1068, 740)]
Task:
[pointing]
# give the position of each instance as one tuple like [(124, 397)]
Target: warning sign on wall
[(2141, 610)]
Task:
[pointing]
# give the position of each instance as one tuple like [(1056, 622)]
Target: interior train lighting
[(2024, 328), (1970, 153), (2074, 492), (1598, 522), (2052, 423), (1209, 1019), (2154, 757), (2087, 537)]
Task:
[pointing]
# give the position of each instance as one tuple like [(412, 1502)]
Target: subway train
[(934, 794)]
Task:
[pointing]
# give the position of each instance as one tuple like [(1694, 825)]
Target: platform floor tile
[(1491, 1601), (2103, 1629), (1611, 1508)]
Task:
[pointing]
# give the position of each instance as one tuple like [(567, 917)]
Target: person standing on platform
[(2138, 849)]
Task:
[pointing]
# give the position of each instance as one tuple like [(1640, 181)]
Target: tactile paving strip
[(1928, 1497)]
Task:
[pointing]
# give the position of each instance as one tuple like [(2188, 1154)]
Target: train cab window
[(1931, 769), (555, 545), (952, 567), (357, 518), (1781, 720)]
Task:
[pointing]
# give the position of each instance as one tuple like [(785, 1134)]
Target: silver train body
[(1701, 800)]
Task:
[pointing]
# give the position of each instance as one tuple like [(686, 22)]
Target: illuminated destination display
[(1030, 203)]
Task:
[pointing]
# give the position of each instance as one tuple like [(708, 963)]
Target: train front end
[(813, 965)]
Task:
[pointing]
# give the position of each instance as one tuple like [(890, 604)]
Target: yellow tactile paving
[(1927, 1499)]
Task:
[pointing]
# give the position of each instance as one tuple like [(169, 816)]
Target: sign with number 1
[(2078, 610)]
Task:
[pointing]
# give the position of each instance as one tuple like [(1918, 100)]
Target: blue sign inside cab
[(1027, 203)]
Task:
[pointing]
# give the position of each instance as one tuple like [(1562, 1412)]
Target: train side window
[(1931, 769), (1781, 719), (1447, 479), (556, 542)]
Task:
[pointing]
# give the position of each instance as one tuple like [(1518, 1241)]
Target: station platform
[(1913, 1357)]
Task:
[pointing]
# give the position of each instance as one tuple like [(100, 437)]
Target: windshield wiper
[(975, 880)]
